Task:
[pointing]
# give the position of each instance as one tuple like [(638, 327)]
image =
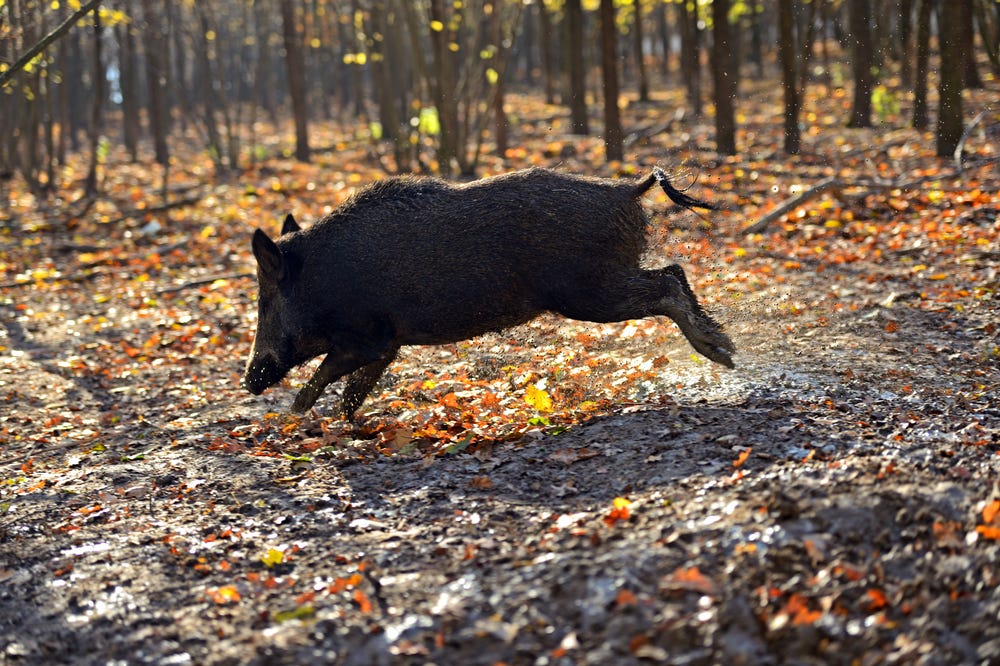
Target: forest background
[(565, 491)]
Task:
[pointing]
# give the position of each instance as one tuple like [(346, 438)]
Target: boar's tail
[(678, 197)]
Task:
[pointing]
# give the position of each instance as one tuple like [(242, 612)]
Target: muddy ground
[(829, 501)]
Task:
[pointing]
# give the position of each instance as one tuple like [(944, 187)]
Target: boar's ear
[(269, 259), (290, 225)]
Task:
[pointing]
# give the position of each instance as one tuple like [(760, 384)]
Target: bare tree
[(923, 58), (724, 78), (613, 139), (789, 84), (295, 64), (575, 62), (860, 36), (949, 122)]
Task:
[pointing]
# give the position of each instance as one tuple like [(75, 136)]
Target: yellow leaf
[(437, 26), (273, 557), (621, 503), (538, 398), (208, 232)]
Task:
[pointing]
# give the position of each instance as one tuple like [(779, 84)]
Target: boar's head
[(283, 339)]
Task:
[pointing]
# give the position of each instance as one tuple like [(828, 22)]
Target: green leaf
[(429, 123), (295, 614)]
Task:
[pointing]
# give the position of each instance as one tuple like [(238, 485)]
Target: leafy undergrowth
[(593, 493)]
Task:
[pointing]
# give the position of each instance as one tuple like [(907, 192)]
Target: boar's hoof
[(706, 336), (306, 398)]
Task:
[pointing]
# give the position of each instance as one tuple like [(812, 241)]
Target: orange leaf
[(228, 594), (626, 598), (798, 609), (876, 599), (449, 400), (989, 532), (691, 580), (990, 512), (742, 457), (363, 601)]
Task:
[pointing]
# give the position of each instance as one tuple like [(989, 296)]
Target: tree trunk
[(613, 140), (923, 58), (90, 184), (443, 84), (296, 66), (639, 59), (156, 79), (786, 55), (498, 65), (207, 93), (949, 122), (904, 24), (663, 31), (724, 78), (129, 89), (577, 84), (968, 43), (690, 56), (860, 38), (547, 38)]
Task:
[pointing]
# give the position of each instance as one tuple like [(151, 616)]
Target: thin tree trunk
[(949, 122), (613, 139), (724, 78), (295, 63), (575, 57), (129, 89), (207, 93), (786, 55), (443, 85), (971, 72), (860, 17), (156, 77), (690, 56), (904, 27), (639, 59), (923, 58), (545, 45), (90, 184)]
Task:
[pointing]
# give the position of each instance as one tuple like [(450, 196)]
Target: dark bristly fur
[(420, 261)]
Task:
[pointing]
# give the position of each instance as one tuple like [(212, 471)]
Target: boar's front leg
[(336, 364), (361, 382), (330, 370)]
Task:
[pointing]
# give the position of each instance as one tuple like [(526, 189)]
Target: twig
[(831, 183), (202, 282), (63, 28), (960, 148), (834, 183), (139, 212)]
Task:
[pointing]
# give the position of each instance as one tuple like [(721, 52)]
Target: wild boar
[(419, 261)]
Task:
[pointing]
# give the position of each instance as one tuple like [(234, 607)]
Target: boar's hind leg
[(360, 383), (637, 293)]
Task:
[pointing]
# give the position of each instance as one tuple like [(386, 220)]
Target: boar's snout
[(261, 373)]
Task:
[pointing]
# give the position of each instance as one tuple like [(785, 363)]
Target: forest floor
[(561, 493)]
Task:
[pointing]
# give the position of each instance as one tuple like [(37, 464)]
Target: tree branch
[(22, 62)]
